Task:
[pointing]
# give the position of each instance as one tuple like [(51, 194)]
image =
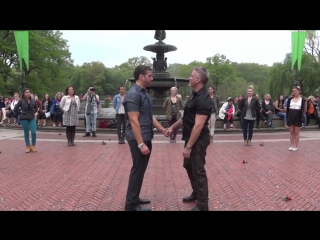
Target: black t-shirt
[(199, 103), (173, 109)]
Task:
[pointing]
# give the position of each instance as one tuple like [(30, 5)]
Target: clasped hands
[(167, 132)]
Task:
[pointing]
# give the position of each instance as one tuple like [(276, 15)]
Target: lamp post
[(24, 83), (295, 82)]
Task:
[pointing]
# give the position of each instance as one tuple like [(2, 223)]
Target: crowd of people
[(136, 123)]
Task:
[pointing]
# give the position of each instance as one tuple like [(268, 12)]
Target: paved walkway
[(93, 176)]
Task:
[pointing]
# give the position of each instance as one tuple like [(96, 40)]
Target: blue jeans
[(283, 115), (91, 122), (33, 127)]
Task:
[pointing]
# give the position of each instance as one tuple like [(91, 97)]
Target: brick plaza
[(94, 177)]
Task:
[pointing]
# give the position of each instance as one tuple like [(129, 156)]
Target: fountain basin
[(160, 47), (166, 82)]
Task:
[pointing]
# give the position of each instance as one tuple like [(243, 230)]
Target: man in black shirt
[(139, 133), (196, 135)]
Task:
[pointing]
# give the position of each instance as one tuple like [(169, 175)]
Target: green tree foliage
[(221, 71), (281, 77), (93, 74), (51, 65), (52, 70)]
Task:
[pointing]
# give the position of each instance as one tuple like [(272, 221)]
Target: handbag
[(48, 114), (103, 123)]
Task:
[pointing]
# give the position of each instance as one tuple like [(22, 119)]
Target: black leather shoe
[(196, 208), (139, 208), (144, 201), (189, 199)]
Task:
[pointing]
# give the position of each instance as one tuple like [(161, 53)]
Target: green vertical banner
[(298, 40), (22, 41)]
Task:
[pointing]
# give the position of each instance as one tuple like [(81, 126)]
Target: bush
[(105, 104)]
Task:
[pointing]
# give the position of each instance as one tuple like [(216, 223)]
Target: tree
[(48, 56), (221, 70), (281, 76), (93, 74), (254, 74), (312, 44)]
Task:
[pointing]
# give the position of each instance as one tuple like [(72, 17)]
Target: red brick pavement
[(92, 176)]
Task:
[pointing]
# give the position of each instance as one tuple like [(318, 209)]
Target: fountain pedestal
[(162, 81)]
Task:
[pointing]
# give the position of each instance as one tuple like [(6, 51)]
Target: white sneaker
[(290, 148), (294, 149)]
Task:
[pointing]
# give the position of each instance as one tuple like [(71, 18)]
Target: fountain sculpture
[(162, 81)]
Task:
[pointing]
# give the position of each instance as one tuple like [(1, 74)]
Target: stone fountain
[(162, 81)]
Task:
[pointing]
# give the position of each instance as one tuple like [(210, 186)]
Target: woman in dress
[(296, 109), (70, 105)]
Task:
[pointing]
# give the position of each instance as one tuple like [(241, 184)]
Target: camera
[(92, 89)]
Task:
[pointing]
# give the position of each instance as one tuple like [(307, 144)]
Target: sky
[(116, 47)]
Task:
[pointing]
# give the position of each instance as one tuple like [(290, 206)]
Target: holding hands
[(166, 132)]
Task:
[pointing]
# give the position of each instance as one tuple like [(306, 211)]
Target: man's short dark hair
[(203, 74), (120, 87), (141, 69)]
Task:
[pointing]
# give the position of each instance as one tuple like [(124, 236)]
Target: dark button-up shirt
[(138, 100), (199, 103)]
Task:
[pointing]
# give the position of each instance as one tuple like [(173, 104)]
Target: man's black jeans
[(140, 163), (197, 173), (121, 122)]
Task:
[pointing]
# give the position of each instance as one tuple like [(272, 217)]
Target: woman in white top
[(296, 109), (226, 113), (11, 113)]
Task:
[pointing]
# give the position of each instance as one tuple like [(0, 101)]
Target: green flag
[(298, 40), (22, 41)]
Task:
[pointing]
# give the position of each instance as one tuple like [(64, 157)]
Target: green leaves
[(281, 77), (48, 57)]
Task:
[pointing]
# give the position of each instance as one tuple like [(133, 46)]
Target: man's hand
[(170, 130), (186, 153), (165, 132), (144, 150)]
